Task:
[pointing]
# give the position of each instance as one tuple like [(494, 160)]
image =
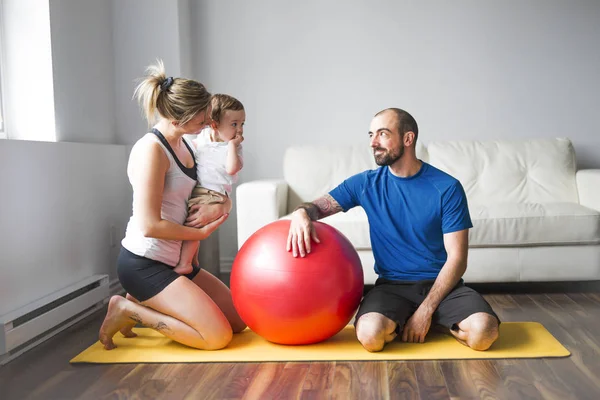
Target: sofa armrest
[(588, 186), (259, 203)]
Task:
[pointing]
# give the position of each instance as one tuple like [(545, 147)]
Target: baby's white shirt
[(211, 159)]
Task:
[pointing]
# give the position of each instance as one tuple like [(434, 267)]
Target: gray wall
[(308, 72), (59, 203), (316, 71), (144, 30), (64, 206)]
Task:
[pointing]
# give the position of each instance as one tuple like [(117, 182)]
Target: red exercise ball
[(300, 300)]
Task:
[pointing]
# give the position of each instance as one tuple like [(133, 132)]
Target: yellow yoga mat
[(517, 340)]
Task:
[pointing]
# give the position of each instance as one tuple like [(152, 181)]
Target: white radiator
[(22, 329)]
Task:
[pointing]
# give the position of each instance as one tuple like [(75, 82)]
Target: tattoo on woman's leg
[(136, 318), (160, 326)]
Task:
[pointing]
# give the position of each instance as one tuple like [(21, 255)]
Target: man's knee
[(370, 339), (482, 331), (372, 330)]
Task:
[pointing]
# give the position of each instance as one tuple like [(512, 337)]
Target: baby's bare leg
[(189, 249), (200, 208)]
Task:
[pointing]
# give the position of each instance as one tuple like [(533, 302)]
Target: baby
[(219, 159)]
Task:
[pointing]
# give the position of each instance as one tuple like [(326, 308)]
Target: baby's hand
[(237, 139)]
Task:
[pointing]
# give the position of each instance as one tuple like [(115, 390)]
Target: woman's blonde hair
[(221, 103), (176, 99)]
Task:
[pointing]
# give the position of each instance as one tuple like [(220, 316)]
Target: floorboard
[(571, 315)]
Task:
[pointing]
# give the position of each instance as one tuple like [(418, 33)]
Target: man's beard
[(388, 157)]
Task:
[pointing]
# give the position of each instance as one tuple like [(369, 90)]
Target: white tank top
[(211, 159), (177, 190)]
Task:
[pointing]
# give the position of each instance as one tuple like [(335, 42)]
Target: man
[(419, 224)]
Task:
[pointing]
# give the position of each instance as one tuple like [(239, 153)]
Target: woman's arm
[(147, 168)]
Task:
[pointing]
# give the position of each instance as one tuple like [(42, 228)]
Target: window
[(26, 67), (2, 114)]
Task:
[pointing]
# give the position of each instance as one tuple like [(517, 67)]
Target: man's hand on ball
[(301, 232)]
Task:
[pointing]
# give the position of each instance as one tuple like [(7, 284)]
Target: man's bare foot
[(441, 329), (183, 269), (450, 332), (114, 320)]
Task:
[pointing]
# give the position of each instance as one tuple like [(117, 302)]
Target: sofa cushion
[(532, 171), (527, 224), (500, 225), (354, 225), (312, 171)]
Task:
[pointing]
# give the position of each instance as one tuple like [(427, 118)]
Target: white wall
[(83, 65), (185, 37), (58, 203), (316, 71), (144, 30)]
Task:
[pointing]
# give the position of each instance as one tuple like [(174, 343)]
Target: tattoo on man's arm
[(321, 207), (311, 210), (327, 206)]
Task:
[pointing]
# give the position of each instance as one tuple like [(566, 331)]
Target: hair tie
[(166, 84)]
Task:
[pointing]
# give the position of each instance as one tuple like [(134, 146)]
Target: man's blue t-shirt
[(407, 218)]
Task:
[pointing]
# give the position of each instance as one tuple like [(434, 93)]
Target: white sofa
[(535, 217)]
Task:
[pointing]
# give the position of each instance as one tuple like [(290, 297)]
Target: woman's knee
[(216, 338), (208, 327)]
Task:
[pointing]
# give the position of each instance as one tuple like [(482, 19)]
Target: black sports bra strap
[(191, 151), (191, 172)]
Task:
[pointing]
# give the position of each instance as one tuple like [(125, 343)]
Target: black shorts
[(144, 278), (398, 300)]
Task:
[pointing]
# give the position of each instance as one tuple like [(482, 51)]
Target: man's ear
[(175, 123), (409, 138)]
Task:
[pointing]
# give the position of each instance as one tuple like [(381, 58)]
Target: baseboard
[(225, 264), (26, 327)]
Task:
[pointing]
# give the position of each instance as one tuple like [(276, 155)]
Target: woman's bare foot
[(183, 269), (114, 320), (127, 330)]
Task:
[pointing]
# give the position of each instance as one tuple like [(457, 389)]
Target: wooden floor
[(572, 316)]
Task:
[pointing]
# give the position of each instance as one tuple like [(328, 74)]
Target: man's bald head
[(405, 121)]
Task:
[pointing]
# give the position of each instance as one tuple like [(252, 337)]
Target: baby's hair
[(176, 99), (221, 103)]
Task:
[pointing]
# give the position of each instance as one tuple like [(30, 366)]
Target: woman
[(195, 309)]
